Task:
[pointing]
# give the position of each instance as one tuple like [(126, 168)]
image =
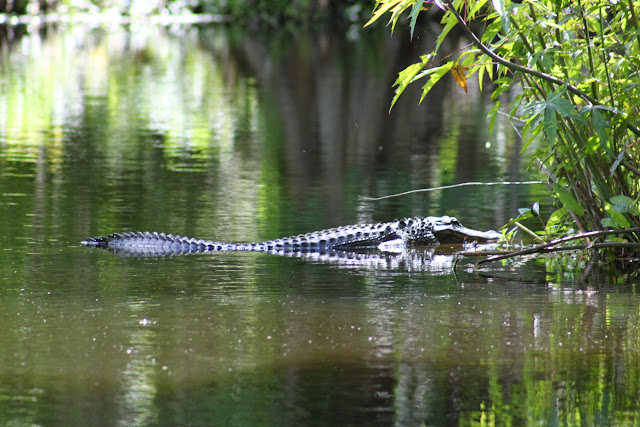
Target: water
[(219, 133)]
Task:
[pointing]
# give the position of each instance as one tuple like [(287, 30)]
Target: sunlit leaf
[(385, 5), (535, 209), (498, 6), (475, 7), (568, 200), (435, 76), (459, 76), (620, 219), (450, 22), (399, 10), (409, 75), (554, 219)]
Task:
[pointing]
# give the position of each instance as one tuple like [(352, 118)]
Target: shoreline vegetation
[(574, 67)]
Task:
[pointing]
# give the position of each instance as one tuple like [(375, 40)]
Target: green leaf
[(492, 116), (600, 125), (554, 219), (568, 200), (407, 76), (490, 32), (525, 213), (617, 162), (620, 219), (415, 10), (566, 109), (398, 10), (450, 22), (621, 204), (477, 5), (436, 75), (621, 199), (550, 124)]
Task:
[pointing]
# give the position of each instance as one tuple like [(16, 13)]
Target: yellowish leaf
[(459, 76)]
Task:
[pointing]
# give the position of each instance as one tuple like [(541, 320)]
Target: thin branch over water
[(549, 247), (463, 184)]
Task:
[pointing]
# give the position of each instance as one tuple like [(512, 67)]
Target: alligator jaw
[(457, 233)]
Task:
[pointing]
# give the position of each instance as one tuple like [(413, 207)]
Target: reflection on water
[(220, 133)]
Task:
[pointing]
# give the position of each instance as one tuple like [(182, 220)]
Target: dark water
[(242, 136)]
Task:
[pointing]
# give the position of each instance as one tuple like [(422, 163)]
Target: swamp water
[(218, 133)]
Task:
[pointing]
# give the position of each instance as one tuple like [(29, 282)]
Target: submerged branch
[(551, 246), (463, 184)]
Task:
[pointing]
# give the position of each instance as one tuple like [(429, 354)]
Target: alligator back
[(409, 231)]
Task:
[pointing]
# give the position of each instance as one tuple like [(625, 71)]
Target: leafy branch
[(529, 71)]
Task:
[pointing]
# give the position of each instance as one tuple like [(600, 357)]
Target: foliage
[(574, 67), (254, 11)]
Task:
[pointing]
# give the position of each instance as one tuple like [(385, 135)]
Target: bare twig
[(463, 184)]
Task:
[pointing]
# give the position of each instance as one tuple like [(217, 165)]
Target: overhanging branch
[(517, 67)]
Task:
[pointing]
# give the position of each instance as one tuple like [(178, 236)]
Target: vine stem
[(463, 184)]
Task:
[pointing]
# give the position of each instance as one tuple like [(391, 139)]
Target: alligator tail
[(148, 243)]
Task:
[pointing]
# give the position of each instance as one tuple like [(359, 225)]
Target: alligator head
[(448, 230)]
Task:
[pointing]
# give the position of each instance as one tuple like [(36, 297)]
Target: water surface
[(242, 136)]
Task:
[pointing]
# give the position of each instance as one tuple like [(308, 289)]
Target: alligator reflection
[(434, 259)]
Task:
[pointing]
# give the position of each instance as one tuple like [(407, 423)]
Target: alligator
[(393, 236)]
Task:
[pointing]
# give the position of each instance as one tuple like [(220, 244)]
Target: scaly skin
[(417, 231)]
